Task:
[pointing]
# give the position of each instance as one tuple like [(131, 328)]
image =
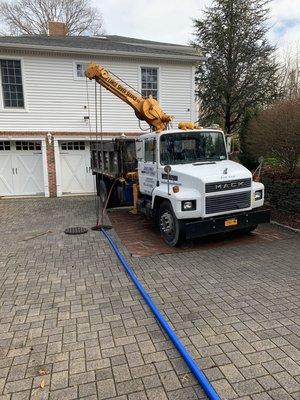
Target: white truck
[(183, 178)]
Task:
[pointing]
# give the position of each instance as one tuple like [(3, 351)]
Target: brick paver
[(72, 325), (141, 237)]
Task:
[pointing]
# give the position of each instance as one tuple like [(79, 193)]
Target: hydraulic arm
[(146, 109)]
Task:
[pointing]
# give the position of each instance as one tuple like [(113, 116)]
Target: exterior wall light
[(49, 137)]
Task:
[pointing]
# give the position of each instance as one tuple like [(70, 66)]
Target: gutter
[(113, 53)]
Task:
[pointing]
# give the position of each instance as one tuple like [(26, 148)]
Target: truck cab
[(188, 183)]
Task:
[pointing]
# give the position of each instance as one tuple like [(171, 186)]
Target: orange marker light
[(175, 189)]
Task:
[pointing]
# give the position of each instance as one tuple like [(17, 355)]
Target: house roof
[(110, 45)]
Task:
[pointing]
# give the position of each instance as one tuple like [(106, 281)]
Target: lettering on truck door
[(148, 167)]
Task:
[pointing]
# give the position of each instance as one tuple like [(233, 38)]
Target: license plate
[(231, 222)]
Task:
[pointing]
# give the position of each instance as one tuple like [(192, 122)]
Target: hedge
[(282, 194)]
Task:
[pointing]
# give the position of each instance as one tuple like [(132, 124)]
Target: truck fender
[(158, 195), (157, 199)]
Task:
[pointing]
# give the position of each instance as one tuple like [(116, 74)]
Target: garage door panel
[(29, 174), (6, 175), (73, 168), (21, 168), (76, 174)]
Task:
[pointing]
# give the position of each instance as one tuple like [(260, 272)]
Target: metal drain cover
[(75, 230)]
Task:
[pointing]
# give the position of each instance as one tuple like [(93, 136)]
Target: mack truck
[(182, 178)]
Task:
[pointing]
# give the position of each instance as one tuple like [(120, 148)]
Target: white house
[(47, 106)]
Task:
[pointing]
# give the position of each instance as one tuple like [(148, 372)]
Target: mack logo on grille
[(229, 185)]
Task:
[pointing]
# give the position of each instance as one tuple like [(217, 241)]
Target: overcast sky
[(171, 20)]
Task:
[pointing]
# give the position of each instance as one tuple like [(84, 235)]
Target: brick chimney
[(57, 28)]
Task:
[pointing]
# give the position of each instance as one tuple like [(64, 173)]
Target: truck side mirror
[(167, 169), (229, 144)]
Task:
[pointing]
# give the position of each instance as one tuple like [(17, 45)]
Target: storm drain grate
[(75, 230)]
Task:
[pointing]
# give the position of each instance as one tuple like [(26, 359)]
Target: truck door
[(148, 166)]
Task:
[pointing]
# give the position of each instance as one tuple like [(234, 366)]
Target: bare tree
[(31, 17), (290, 70), (275, 133)]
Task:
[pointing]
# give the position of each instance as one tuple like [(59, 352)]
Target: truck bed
[(119, 157)]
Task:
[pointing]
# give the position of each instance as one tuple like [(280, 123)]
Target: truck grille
[(227, 185), (227, 202)]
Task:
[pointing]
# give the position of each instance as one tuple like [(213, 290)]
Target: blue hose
[(199, 375)]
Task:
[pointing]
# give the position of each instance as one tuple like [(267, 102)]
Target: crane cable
[(105, 202), (103, 208), (142, 129), (97, 152), (90, 130), (96, 202)]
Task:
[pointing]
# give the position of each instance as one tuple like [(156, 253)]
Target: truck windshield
[(192, 146)]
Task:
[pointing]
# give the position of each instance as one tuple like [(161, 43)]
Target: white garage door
[(76, 174), (21, 168)]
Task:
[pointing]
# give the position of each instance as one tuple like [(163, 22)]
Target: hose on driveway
[(199, 375)]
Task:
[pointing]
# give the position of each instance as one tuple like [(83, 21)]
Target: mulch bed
[(285, 218)]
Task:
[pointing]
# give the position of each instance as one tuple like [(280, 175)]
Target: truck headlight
[(258, 195), (188, 205)]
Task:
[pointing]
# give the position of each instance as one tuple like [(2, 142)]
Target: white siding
[(55, 101), (176, 92)]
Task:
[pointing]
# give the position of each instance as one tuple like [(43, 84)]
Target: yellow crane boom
[(146, 109)]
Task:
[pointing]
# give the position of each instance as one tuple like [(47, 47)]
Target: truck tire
[(171, 229)]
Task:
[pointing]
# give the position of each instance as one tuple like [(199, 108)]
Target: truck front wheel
[(171, 229)]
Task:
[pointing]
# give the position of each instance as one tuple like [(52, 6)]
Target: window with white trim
[(72, 145), (4, 145), (149, 82), (12, 86), (25, 145), (80, 69), (150, 150)]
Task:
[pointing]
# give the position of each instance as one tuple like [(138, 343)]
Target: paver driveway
[(72, 325)]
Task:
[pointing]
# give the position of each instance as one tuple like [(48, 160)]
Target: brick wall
[(51, 169)]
